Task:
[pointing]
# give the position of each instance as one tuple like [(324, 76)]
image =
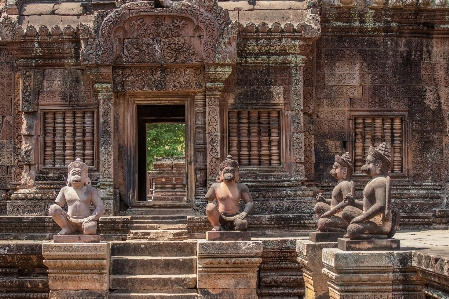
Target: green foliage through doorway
[(165, 140)]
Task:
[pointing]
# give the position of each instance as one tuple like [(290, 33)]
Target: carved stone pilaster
[(77, 266), (105, 99), (297, 121), (228, 269), (371, 274), (215, 76)]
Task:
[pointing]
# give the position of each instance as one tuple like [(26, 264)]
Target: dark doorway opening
[(148, 115)]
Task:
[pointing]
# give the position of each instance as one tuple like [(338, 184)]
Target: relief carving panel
[(158, 79), (66, 87), (158, 40)]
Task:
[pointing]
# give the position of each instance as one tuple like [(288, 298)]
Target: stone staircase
[(158, 227), (153, 270)]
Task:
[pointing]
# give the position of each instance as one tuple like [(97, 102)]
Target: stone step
[(189, 294), (154, 248), (138, 265), (159, 235), (160, 219), (139, 283), (159, 211), (143, 225)]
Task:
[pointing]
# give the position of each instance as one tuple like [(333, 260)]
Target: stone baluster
[(49, 158), (387, 131), (368, 123), (397, 144), (59, 138), (358, 159), (377, 131), (79, 135), (89, 138), (233, 135), (274, 138), (69, 138), (243, 130), (264, 127), (254, 138)]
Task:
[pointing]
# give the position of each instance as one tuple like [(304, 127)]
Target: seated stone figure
[(376, 219), (329, 210), (228, 193), (77, 195)]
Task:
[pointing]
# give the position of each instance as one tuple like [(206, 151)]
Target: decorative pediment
[(182, 33)]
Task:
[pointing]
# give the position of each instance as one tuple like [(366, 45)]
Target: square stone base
[(368, 245), (76, 238), (325, 236), (227, 236)]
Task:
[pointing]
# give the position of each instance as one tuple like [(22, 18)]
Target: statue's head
[(342, 168), (77, 173), (378, 160), (229, 170)]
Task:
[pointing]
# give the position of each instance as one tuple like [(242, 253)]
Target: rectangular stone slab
[(76, 238), (325, 236), (367, 245), (227, 236)]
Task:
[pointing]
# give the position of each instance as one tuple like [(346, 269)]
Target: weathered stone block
[(310, 257), (77, 266), (226, 266), (371, 274)]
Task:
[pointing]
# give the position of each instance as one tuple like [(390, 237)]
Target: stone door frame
[(125, 120)]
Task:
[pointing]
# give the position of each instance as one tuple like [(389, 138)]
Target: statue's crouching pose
[(77, 195), (330, 210), (377, 220), (228, 193)]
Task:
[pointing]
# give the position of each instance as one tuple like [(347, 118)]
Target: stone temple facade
[(281, 86)]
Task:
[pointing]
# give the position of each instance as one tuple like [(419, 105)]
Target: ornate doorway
[(161, 163)]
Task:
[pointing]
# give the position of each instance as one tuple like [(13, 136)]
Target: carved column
[(77, 270), (297, 125), (30, 84), (215, 76), (228, 269), (102, 79)]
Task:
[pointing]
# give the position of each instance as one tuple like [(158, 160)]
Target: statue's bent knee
[(211, 208), (90, 228), (54, 210)]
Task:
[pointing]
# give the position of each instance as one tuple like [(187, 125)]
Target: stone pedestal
[(78, 270), (228, 269), (228, 236), (363, 245), (76, 238), (371, 274), (310, 257), (325, 236)]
